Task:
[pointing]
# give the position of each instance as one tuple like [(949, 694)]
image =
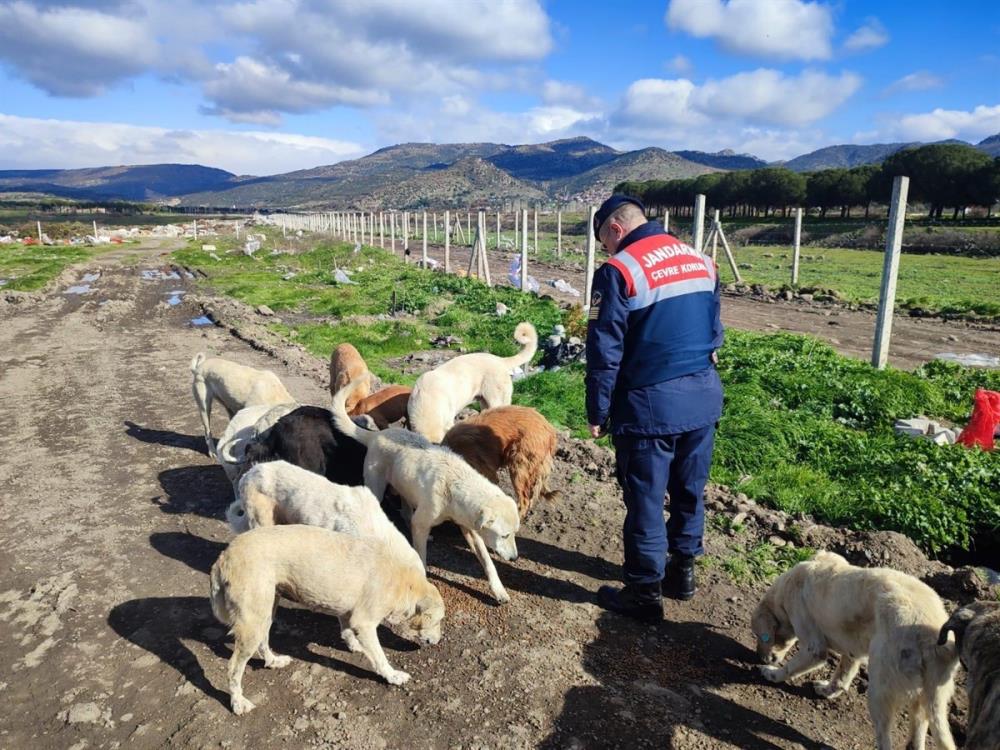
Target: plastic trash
[(341, 277), (357, 247), (502, 309), (983, 422), (249, 247), (514, 275), (564, 286), (970, 360)]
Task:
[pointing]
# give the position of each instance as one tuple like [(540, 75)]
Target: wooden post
[(698, 228), (424, 253), (795, 247), (890, 270), (447, 241), (536, 231), (558, 234), (591, 248), (524, 250), (484, 258)]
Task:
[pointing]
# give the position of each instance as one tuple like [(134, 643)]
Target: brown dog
[(346, 365), (516, 438), (385, 406)]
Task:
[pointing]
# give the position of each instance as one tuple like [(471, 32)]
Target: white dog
[(245, 425), (277, 492), (361, 581), (888, 618), (437, 485), (236, 386), (441, 393)]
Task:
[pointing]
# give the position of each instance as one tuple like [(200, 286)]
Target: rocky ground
[(114, 515)]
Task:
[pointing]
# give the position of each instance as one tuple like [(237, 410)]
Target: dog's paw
[(397, 677), (278, 661), (826, 689), (241, 705), (351, 641), (501, 596), (772, 674)]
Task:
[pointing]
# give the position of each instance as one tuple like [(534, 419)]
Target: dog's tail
[(196, 362), (341, 420), (526, 335), (218, 594)]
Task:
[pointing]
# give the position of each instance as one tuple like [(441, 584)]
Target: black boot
[(641, 601), (678, 582)]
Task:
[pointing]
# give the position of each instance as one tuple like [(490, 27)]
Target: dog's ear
[(487, 518), (957, 624)]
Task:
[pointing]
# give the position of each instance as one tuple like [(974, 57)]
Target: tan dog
[(236, 386), (385, 406), (437, 485), (977, 637), (361, 581), (441, 393), (888, 618), (347, 364), (516, 438)]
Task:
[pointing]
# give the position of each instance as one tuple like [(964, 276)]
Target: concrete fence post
[(591, 249), (498, 231), (796, 245), (381, 229), (536, 231), (524, 250), (392, 230), (424, 252), (95, 230), (698, 227), (890, 271), (558, 234), (666, 221), (39, 232), (447, 241)]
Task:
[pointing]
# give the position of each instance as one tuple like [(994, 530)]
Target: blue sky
[(266, 86)]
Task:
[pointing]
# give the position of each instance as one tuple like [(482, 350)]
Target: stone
[(739, 519), (788, 295), (264, 310), (806, 297), (777, 541), (83, 713)]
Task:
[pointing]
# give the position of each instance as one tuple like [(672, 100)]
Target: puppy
[(307, 438), (384, 406), (361, 581), (441, 393), (977, 638), (234, 385), (279, 493), (516, 438), (346, 364), (887, 617), (437, 485), (242, 428)]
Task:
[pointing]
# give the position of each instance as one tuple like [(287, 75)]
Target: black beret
[(609, 206)]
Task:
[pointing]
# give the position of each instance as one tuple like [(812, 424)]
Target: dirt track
[(113, 518)]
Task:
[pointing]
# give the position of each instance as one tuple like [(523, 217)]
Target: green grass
[(938, 283), (30, 267), (804, 429), (762, 562)]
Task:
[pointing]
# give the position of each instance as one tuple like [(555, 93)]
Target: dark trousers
[(649, 467)]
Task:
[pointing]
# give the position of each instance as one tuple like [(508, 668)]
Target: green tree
[(942, 174)]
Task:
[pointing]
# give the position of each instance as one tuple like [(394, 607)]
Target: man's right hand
[(596, 431)]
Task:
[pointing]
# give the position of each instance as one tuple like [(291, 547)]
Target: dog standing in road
[(977, 636)]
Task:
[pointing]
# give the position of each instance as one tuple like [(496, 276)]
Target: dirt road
[(113, 517), (914, 340)]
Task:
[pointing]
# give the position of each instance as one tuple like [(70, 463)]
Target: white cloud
[(871, 35), (31, 143), (939, 124), (679, 64), (758, 97), (279, 55), (72, 51), (569, 94), (778, 29), (920, 80)]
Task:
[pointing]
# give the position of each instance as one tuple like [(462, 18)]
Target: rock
[(777, 541), (806, 297), (83, 713), (739, 519), (264, 310), (301, 724), (788, 295)]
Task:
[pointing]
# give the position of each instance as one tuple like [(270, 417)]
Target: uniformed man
[(652, 335)]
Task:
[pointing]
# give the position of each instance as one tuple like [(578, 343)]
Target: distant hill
[(645, 164), (727, 159), (846, 155), (136, 183), (990, 145), (552, 161)]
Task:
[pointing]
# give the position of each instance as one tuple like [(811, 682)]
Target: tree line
[(943, 176)]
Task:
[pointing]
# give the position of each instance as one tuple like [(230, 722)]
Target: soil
[(114, 515), (914, 340)]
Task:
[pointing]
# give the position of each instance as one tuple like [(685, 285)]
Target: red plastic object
[(983, 422)]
